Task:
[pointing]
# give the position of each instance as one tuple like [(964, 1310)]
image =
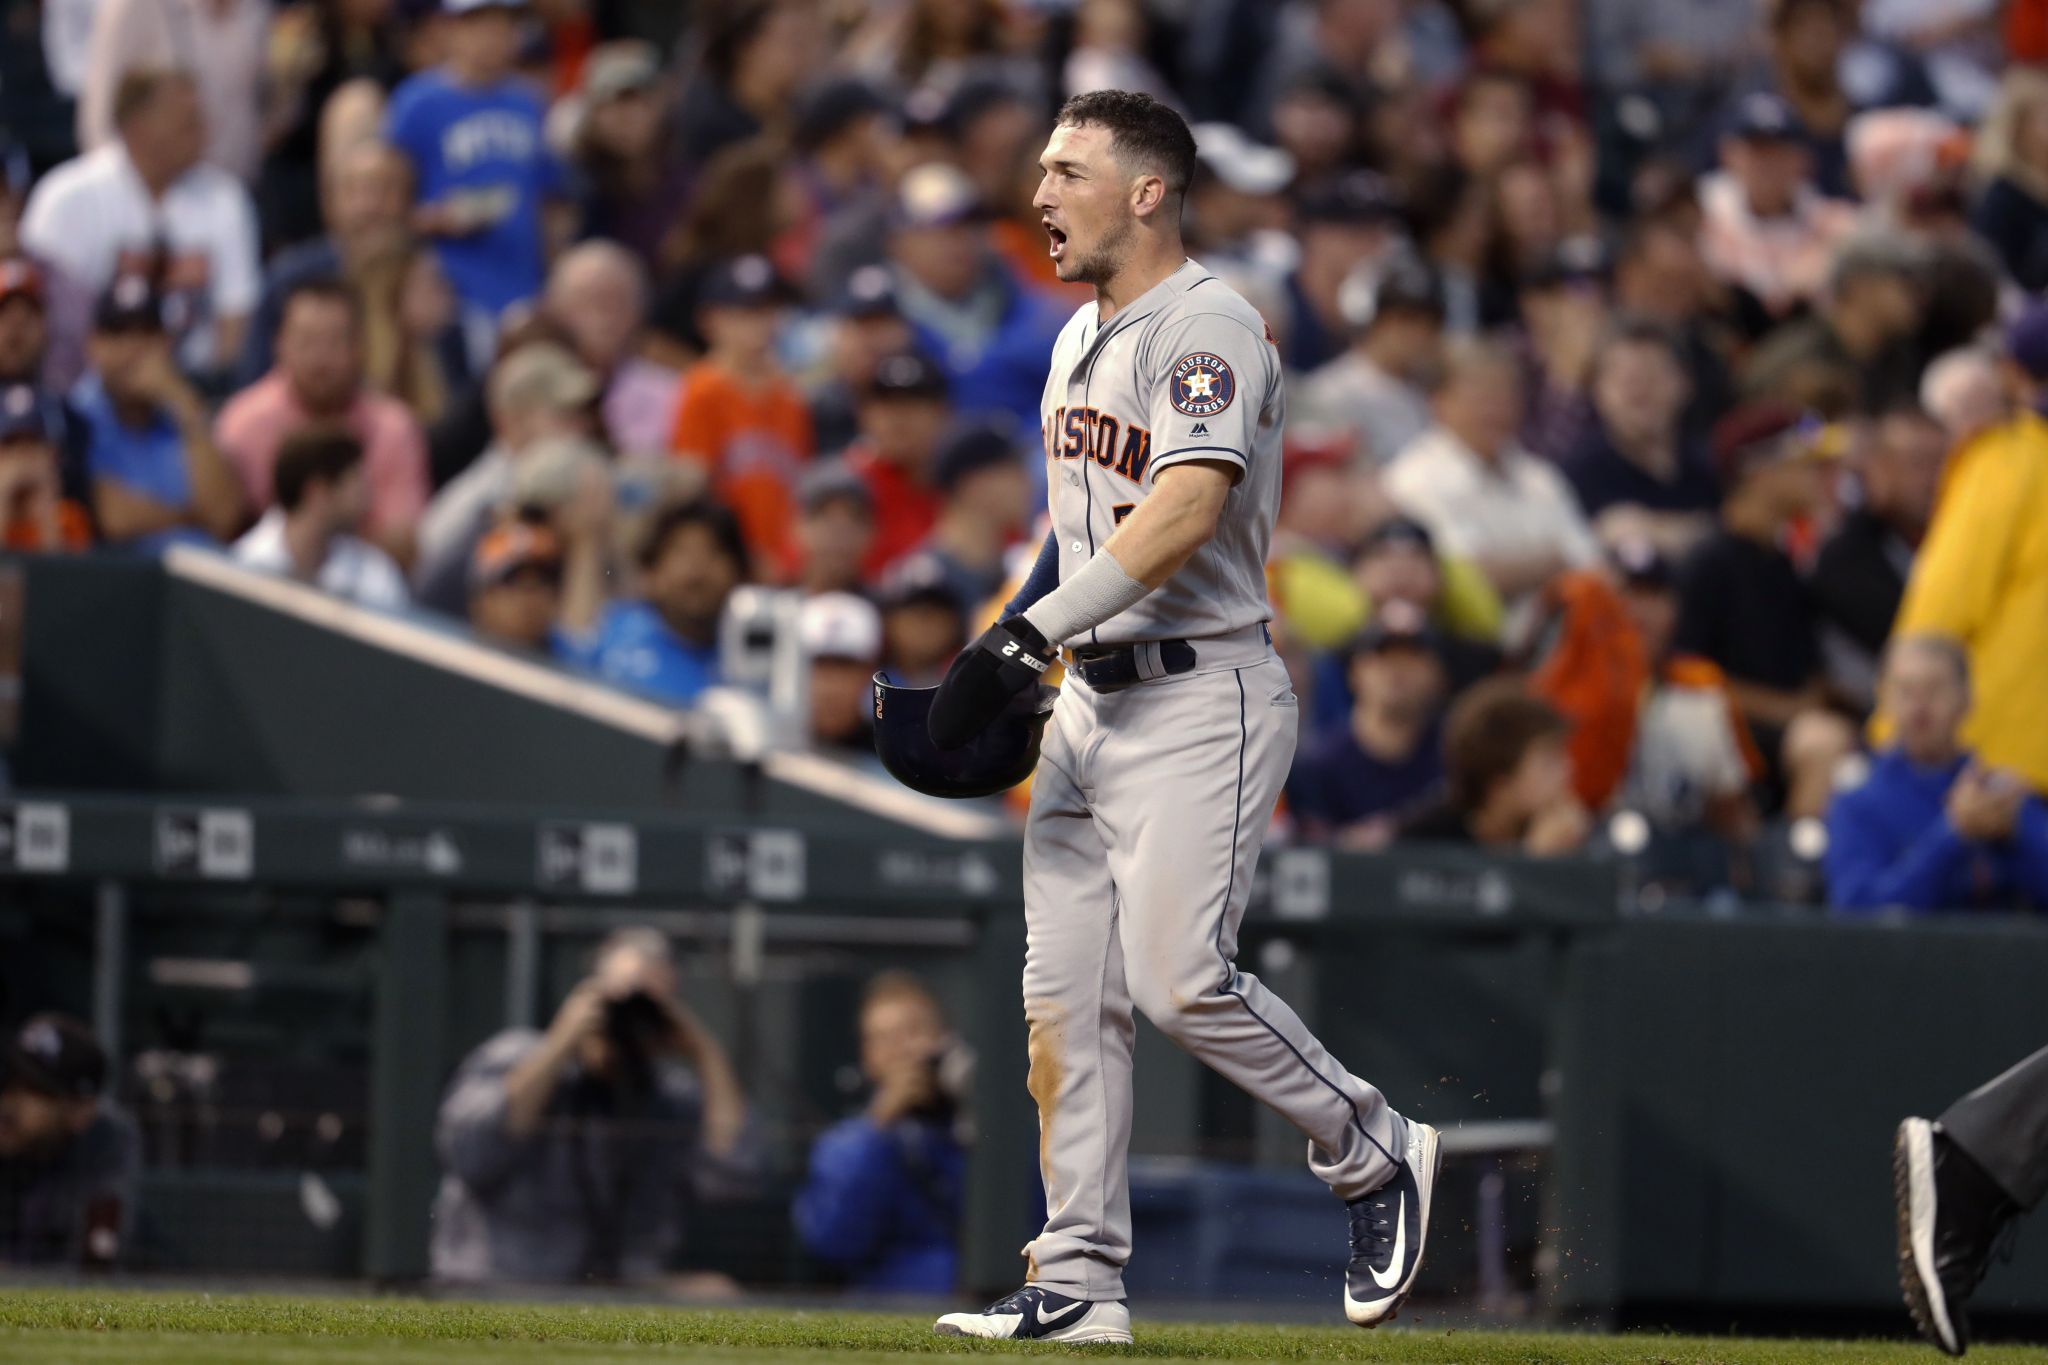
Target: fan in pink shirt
[(318, 381)]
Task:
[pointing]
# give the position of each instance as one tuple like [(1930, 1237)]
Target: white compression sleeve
[(1099, 590)]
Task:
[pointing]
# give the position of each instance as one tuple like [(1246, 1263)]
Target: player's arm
[(1176, 519)]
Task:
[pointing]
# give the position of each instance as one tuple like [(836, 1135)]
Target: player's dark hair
[(323, 289), (1142, 132), (713, 518), (1487, 733), (316, 455)]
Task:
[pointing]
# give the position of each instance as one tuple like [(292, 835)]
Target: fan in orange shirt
[(739, 415), (34, 513)]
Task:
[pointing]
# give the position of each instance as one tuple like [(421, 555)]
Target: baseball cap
[(744, 282), (620, 68), (832, 481), (506, 550), (2026, 339), (1764, 117), (27, 413), (1642, 565), (131, 304), (870, 292), (935, 195), (543, 374), (20, 279), (1237, 161), (1761, 433), (919, 579), (56, 1055), (1583, 258), (1402, 283), (1355, 198), (968, 451), (908, 374), (550, 471), (831, 107), (839, 625), (1397, 531), (1398, 625)]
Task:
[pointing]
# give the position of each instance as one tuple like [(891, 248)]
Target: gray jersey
[(1188, 371)]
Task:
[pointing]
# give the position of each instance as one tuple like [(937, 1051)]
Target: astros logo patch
[(1202, 384)]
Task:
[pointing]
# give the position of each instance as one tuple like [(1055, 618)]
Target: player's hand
[(1009, 657)]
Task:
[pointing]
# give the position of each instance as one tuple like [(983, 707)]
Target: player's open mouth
[(1059, 241)]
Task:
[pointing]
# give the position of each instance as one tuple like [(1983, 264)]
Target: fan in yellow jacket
[(1981, 576)]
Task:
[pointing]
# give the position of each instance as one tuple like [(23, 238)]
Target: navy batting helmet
[(994, 761)]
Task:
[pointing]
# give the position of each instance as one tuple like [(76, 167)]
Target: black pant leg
[(2003, 1125)]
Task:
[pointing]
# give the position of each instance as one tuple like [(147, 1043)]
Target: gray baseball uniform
[(1151, 801)]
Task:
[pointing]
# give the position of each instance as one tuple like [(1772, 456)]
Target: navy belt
[(1110, 668)]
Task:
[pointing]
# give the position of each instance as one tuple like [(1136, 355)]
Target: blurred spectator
[(1109, 51), (365, 196), (1803, 65), (1637, 472), (1345, 222), (835, 526), (515, 588), (489, 191), (572, 1155), (1510, 777), (1354, 780), (318, 381), (884, 1196), (1675, 49), (70, 1160), (842, 637), (985, 502), (1767, 229), (754, 56), (26, 359), (1981, 577), (1965, 392), (924, 624), (2011, 159), (739, 417), (156, 473), (316, 48), (1860, 576), (1742, 604), (903, 415), (537, 391), (221, 45), (745, 201), (1660, 277), (35, 512), (1236, 212), (845, 138), (309, 534), (1691, 760), (666, 642), (1956, 39), (1379, 389), (145, 204), (597, 294), (866, 329), (1931, 827), (634, 182), (988, 331), (1480, 494), (1561, 296), (1856, 350)]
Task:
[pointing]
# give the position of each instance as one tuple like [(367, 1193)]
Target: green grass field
[(40, 1327)]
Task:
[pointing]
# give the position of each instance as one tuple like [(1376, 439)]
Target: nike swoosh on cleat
[(1400, 1245), (1045, 1317)]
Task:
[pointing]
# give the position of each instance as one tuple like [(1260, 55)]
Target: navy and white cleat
[(1388, 1229), (1034, 1314)]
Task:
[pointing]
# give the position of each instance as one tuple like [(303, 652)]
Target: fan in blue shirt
[(667, 644), (1931, 828), (473, 132)]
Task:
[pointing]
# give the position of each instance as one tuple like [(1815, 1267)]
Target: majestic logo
[(1199, 429), (1202, 384)]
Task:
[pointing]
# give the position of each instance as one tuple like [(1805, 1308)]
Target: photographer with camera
[(572, 1154), (882, 1201)]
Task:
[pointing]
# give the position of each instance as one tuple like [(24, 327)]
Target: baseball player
[(1170, 740)]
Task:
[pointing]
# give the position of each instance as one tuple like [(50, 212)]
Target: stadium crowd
[(1651, 362)]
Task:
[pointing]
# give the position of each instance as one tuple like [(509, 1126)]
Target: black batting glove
[(1009, 657)]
